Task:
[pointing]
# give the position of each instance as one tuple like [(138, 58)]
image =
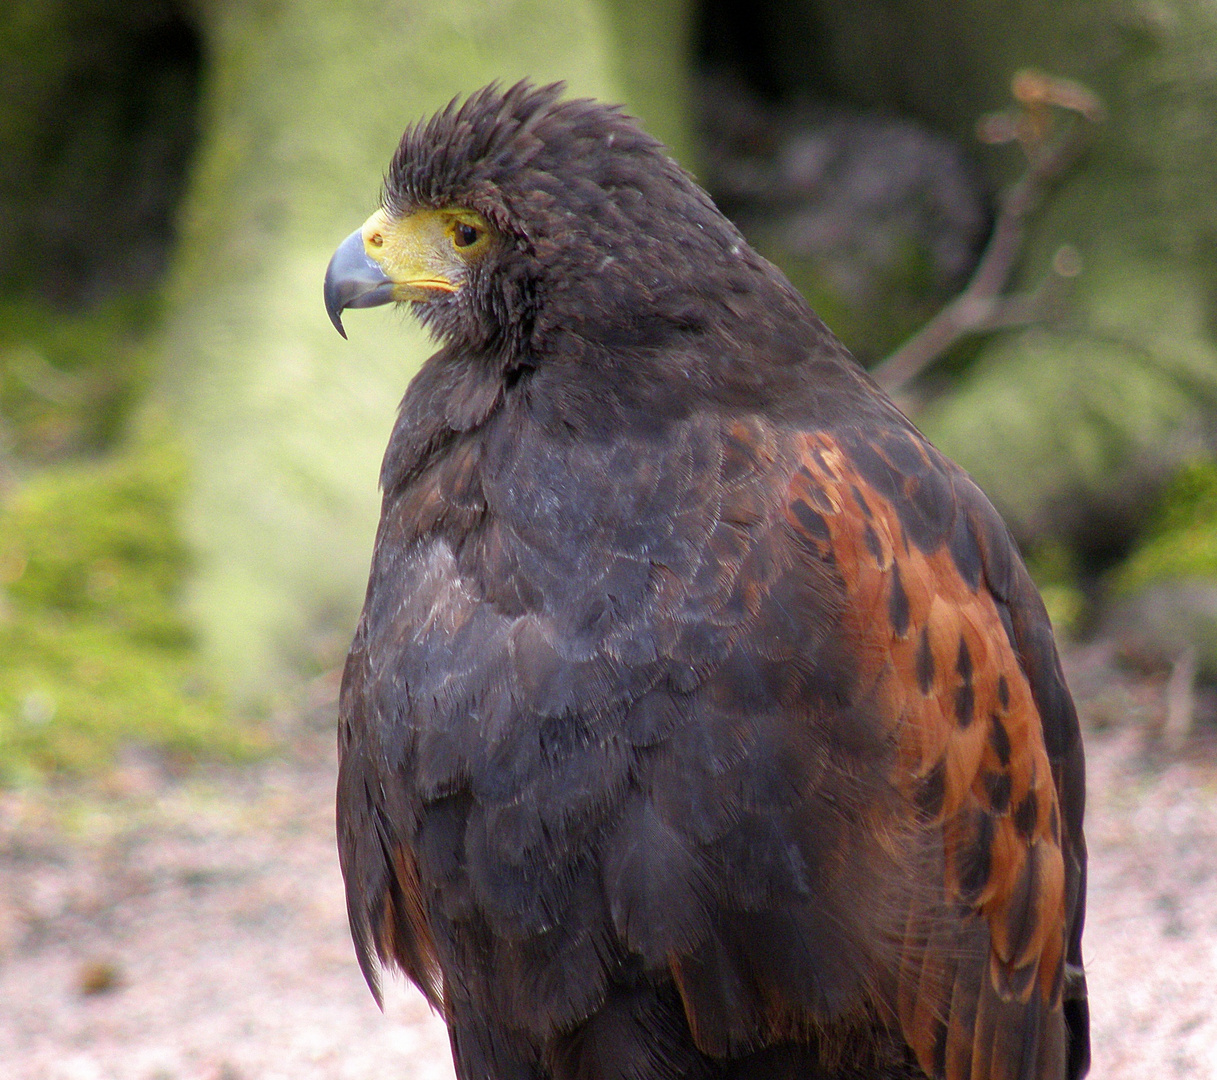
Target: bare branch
[(1051, 149)]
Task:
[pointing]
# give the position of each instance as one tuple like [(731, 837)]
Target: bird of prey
[(702, 720)]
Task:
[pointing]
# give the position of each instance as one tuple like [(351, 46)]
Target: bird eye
[(464, 235)]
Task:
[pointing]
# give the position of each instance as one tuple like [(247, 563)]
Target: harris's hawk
[(702, 720)]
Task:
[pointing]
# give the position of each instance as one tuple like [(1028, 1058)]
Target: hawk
[(702, 720)]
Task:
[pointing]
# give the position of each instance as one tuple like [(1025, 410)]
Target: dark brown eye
[(464, 235)]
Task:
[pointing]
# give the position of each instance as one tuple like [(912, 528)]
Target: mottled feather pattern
[(962, 703)]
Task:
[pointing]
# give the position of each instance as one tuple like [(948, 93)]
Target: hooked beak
[(389, 259), (354, 280)]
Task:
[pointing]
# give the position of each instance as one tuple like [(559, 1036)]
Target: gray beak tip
[(354, 280)]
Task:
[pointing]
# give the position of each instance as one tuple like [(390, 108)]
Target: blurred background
[(188, 452)]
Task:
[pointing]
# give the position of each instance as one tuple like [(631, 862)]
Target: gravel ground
[(192, 928)]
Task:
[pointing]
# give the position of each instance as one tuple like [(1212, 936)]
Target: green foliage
[(1078, 421), (96, 653), (1182, 542), (68, 382), (1054, 570)]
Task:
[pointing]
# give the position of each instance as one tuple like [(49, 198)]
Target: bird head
[(516, 216)]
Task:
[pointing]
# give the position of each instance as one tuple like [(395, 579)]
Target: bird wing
[(811, 762), (942, 821), (384, 894)]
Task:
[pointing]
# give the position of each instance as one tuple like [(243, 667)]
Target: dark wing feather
[(385, 903), (811, 777)]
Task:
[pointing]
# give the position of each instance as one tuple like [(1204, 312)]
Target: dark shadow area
[(99, 113)]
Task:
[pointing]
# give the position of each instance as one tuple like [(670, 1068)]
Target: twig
[(981, 307)]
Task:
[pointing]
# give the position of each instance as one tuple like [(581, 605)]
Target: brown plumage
[(702, 721)]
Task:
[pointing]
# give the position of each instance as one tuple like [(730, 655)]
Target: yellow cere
[(426, 252)]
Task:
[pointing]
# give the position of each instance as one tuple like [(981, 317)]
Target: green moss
[(1182, 541), (96, 652)]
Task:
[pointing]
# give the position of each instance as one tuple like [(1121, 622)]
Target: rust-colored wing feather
[(950, 637)]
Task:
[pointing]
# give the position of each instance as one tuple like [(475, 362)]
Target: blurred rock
[(875, 218), (1072, 426), (1161, 622), (98, 976)]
